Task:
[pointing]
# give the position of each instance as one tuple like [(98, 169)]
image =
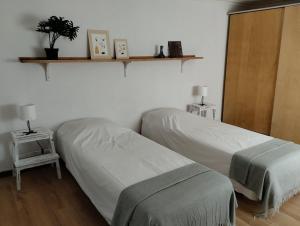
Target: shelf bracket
[(181, 66), (46, 70), (125, 64)]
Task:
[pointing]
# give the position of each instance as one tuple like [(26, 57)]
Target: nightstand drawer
[(36, 160), (203, 109), (41, 134)]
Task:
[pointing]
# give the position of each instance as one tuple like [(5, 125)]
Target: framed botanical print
[(175, 49), (121, 49), (99, 44)]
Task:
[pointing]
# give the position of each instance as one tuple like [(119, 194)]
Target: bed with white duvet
[(106, 159), (214, 144)]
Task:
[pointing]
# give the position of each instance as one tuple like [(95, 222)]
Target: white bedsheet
[(208, 142), (105, 158)]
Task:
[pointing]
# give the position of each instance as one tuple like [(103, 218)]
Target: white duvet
[(208, 142), (105, 158)]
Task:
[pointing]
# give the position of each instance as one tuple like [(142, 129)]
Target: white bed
[(105, 158), (208, 142)]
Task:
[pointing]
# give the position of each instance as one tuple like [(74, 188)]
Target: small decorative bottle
[(161, 52)]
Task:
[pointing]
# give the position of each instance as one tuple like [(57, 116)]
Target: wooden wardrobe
[(262, 81)]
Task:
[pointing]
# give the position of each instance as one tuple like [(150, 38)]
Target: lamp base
[(29, 132), (202, 101)]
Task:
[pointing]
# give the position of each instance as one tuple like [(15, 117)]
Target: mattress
[(105, 158), (208, 142)]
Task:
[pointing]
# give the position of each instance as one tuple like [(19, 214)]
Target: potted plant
[(56, 27)]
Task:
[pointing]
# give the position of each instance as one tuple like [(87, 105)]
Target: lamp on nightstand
[(202, 91), (28, 113)]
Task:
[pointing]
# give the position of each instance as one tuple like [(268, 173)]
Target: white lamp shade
[(202, 91), (28, 112)]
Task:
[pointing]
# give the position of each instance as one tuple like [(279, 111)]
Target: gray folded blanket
[(189, 196), (271, 170)]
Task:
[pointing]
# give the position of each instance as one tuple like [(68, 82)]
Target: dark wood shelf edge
[(44, 60)]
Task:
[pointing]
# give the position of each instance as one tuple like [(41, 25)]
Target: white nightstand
[(202, 109), (37, 158)]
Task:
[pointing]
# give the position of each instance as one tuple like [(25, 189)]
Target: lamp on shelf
[(28, 113), (202, 91)]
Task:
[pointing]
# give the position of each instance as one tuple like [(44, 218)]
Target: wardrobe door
[(252, 59), (286, 115)]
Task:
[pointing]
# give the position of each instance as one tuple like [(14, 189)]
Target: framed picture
[(121, 49), (99, 44), (175, 49)]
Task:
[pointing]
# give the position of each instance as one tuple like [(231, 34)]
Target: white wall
[(81, 90)]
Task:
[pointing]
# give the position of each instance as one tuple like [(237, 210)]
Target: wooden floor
[(47, 201)]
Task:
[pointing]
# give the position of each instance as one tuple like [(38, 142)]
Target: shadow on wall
[(30, 22), (8, 112), (195, 91), (4, 145)]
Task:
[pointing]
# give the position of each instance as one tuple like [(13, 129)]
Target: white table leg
[(18, 179), (52, 146), (11, 148), (16, 153), (203, 113), (214, 114), (58, 169), (13, 170)]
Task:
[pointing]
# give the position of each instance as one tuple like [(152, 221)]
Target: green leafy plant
[(56, 27)]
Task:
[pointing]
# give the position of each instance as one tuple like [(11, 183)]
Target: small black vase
[(51, 53), (161, 52)]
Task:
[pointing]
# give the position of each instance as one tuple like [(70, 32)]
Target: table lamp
[(202, 91), (28, 113)]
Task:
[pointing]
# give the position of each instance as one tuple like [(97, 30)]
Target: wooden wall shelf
[(44, 61)]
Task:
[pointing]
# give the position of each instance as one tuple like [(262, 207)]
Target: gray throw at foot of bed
[(189, 196), (271, 170)]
